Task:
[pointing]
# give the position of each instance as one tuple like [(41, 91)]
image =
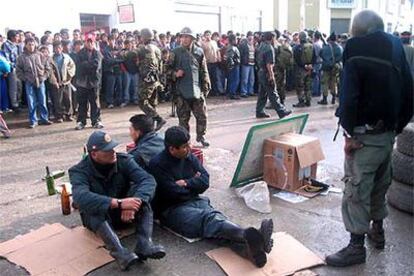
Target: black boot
[(324, 101), (203, 141), (376, 234), (145, 248), (122, 256), (333, 99), (262, 115), (248, 243), (300, 104), (308, 103), (266, 228), (160, 122), (283, 113), (353, 254)]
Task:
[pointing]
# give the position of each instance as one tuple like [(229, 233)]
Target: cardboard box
[(289, 159)]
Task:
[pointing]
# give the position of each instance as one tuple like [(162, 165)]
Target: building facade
[(336, 15), (162, 15)]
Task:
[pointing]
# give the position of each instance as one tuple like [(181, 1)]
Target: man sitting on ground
[(181, 180), (147, 142), (111, 189)]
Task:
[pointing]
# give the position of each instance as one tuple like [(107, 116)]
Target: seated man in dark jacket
[(110, 188), (178, 204), (147, 142)]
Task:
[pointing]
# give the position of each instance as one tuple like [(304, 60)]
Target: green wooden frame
[(239, 183)]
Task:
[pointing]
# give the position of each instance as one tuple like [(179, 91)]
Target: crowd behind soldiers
[(60, 76)]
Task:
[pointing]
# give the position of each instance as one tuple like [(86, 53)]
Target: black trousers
[(85, 97)]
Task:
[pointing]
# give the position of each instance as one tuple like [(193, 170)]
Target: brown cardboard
[(287, 257), (287, 156), (56, 250)]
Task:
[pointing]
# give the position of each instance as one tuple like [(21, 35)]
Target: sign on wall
[(342, 4), (126, 13)]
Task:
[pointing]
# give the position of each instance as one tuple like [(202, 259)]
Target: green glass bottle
[(50, 182)]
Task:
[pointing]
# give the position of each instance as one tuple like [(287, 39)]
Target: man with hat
[(331, 55), (189, 68), (150, 68), (111, 190)]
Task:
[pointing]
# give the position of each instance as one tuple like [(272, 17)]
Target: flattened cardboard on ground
[(287, 257), (56, 250), (289, 159)]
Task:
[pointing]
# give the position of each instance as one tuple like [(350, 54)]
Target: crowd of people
[(62, 76)]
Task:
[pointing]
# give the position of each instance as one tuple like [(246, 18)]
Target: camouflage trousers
[(184, 108), (280, 77), (367, 178), (303, 85), (329, 82), (148, 100)]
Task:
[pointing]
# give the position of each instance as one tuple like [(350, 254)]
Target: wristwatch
[(119, 201)]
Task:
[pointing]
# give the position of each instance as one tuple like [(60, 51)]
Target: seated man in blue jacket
[(111, 189), (181, 180), (148, 143)]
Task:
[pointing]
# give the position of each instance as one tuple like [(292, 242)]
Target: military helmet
[(147, 34), (188, 31), (303, 36)]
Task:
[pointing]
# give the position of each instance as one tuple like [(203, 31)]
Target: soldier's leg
[(261, 97), (300, 86), (145, 99), (279, 76), (199, 109), (324, 87), (183, 110), (275, 102), (308, 88)]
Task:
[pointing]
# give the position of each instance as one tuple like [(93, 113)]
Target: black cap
[(100, 140)]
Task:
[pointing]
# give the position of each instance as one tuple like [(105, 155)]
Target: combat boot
[(203, 141), (283, 113), (324, 101), (160, 122), (144, 225), (299, 104), (262, 115), (122, 256), (354, 253), (376, 234), (308, 103)]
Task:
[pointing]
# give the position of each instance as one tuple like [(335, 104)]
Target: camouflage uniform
[(150, 66), (303, 75), (283, 64), (192, 89)]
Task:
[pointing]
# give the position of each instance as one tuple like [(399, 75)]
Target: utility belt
[(377, 128)]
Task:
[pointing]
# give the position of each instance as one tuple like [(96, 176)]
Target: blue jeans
[(234, 80), (247, 80), (113, 88), (129, 87), (221, 81), (36, 100), (316, 84)]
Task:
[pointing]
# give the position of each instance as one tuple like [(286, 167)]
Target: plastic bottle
[(50, 182)]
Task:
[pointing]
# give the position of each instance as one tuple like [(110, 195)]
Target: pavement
[(24, 204)]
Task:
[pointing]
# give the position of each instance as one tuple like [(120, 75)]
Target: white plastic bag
[(256, 196)]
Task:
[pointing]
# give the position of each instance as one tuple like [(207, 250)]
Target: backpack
[(307, 53), (285, 56)]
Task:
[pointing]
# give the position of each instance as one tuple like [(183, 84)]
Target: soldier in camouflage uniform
[(150, 66), (331, 55), (283, 63), (267, 83), (192, 83), (304, 56)]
